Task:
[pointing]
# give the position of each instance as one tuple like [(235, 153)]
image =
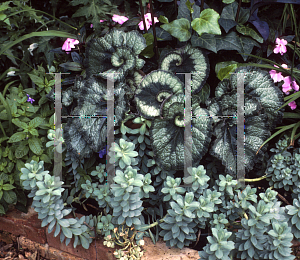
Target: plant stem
[(143, 16), (283, 199), (238, 11), (256, 179), (202, 6), (154, 31)]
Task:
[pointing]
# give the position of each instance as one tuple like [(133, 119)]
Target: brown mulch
[(10, 249)]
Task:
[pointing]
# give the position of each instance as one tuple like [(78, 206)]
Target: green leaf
[(179, 28), (35, 145), (206, 40), (223, 64), (228, 1), (10, 197), (16, 137), (229, 12), (1, 194), (148, 51), (8, 187), (19, 123), (247, 45), (34, 132), (34, 123), (37, 80), (227, 24), (30, 91), (190, 6), (73, 66), (2, 210), (249, 32), (228, 42), (37, 34), (223, 69), (163, 19), (207, 23)]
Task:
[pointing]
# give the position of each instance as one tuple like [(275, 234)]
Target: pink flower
[(148, 21), (69, 44), (101, 21), (286, 87), (119, 19), (276, 76), (280, 47), (293, 105), (295, 86), (92, 25)]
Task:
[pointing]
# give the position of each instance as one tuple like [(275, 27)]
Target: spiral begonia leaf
[(187, 60), (168, 137), (87, 134), (262, 99), (116, 52), (156, 87)]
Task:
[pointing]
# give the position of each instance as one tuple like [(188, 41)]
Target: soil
[(11, 250)]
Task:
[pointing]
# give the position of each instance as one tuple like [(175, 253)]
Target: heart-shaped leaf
[(206, 40), (207, 22), (179, 28), (249, 32), (229, 12), (227, 24)]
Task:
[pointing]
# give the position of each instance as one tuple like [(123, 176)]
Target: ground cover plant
[(149, 47)]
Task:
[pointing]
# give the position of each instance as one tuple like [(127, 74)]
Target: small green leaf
[(37, 80), (224, 73), (179, 28), (74, 66), (35, 145), (67, 232), (207, 22), (8, 187), (10, 197), (21, 151), (16, 137), (19, 123), (228, 1), (190, 6), (163, 19), (249, 32), (34, 123)]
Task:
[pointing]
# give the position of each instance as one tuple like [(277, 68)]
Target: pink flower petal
[(119, 19), (295, 86), (293, 105)]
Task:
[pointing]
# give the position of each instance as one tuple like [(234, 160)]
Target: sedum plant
[(218, 247)]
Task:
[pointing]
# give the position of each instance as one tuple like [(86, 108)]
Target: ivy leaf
[(228, 42), (179, 28), (247, 46), (227, 24), (229, 12), (183, 11), (249, 32), (207, 22), (206, 40), (161, 34)]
